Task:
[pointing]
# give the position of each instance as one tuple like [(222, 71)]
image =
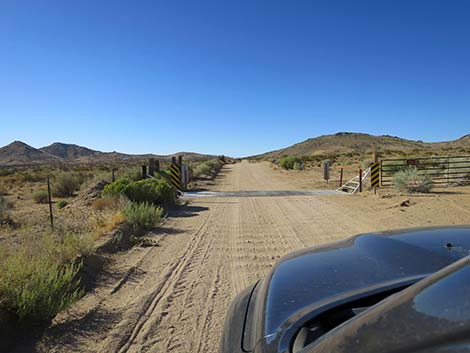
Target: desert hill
[(344, 143), (20, 153)]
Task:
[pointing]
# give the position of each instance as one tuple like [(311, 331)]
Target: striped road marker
[(375, 174), (175, 176)]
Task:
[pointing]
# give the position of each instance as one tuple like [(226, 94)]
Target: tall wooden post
[(341, 177), (180, 160), (144, 171), (112, 174), (360, 180), (152, 166), (157, 166), (173, 160), (375, 156), (50, 201)]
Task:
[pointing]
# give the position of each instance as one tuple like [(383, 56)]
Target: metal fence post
[(50, 201)]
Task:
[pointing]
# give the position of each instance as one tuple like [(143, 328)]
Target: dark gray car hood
[(306, 282)]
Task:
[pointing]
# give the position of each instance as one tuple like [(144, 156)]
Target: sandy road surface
[(173, 297)]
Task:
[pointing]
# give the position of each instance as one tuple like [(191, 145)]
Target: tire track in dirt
[(195, 300), (153, 298), (176, 298)]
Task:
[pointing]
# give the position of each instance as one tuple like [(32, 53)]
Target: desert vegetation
[(142, 216), (410, 180), (40, 279), (40, 267), (206, 169), (291, 162)]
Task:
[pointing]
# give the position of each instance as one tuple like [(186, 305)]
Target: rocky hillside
[(19, 153), (69, 151), (358, 143)]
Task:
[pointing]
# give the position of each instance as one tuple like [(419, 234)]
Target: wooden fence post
[(341, 177), (360, 180), (144, 171), (157, 166), (152, 166)]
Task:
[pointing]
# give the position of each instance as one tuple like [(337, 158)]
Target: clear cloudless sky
[(231, 77)]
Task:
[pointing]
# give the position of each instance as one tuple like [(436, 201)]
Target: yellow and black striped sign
[(375, 174), (175, 176)]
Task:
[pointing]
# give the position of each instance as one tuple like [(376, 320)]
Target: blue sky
[(233, 77)]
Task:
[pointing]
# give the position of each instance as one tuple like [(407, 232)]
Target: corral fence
[(444, 171)]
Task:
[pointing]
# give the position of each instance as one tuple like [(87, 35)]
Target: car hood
[(310, 281)]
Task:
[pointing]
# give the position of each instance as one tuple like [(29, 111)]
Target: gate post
[(152, 166), (360, 180)]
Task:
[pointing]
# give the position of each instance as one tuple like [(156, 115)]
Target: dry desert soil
[(173, 296)]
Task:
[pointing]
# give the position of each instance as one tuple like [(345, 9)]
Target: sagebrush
[(288, 162), (152, 190), (41, 196), (410, 180), (143, 216), (37, 287), (66, 184), (4, 207)]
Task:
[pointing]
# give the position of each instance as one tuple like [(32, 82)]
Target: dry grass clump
[(65, 185), (208, 168), (40, 279), (5, 207), (41, 197), (110, 203), (35, 288), (142, 216), (3, 190)]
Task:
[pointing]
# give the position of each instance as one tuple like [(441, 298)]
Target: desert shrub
[(298, 166), (133, 174), (153, 190), (5, 206), (116, 188), (142, 216), (214, 163), (65, 246), (288, 162), (28, 177), (202, 169), (111, 203), (37, 287), (41, 196), (6, 172), (103, 203), (409, 180), (62, 204), (65, 185)]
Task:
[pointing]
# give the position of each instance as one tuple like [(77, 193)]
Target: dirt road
[(173, 297)]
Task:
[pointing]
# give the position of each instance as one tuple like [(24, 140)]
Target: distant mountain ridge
[(69, 151), (20, 153), (349, 142)]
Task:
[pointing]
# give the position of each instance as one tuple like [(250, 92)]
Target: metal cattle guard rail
[(444, 171)]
